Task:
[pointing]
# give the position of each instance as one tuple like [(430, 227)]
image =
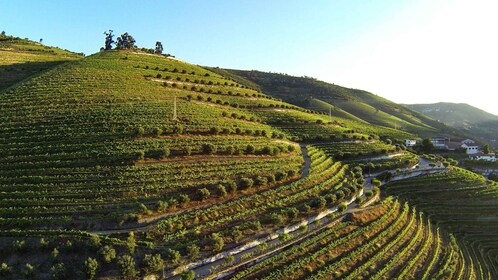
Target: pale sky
[(408, 51), (430, 51)]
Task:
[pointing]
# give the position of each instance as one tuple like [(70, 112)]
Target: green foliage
[(91, 267), (107, 253), (193, 251), (217, 242), (127, 267), (28, 271), (342, 207), (153, 263), (58, 271), (204, 193), (5, 269), (187, 275), (173, 256), (131, 243), (246, 183)]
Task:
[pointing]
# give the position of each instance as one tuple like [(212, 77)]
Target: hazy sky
[(408, 51)]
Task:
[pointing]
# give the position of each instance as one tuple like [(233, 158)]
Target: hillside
[(125, 164), (469, 119), (22, 58), (347, 103)]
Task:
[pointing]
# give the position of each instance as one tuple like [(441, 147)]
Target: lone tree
[(486, 149), (427, 145), (125, 42), (108, 40), (159, 48)]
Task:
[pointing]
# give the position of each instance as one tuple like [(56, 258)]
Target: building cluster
[(472, 149)]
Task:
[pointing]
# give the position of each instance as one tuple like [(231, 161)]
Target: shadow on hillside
[(14, 73)]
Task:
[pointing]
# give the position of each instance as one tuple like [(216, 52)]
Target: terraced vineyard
[(389, 241), (464, 204), (141, 164)]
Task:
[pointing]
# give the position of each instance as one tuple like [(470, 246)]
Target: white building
[(483, 156), (410, 142), (471, 148)]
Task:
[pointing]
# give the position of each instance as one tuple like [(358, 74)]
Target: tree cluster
[(126, 42)]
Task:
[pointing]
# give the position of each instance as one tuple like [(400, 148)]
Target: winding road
[(247, 254)]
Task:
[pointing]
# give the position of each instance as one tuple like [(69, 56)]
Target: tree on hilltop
[(125, 42), (3, 33), (108, 40), (159, 48)]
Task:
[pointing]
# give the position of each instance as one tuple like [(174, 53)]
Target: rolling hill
[(471, 120), (124, 164), (344, 102), (22, 58)]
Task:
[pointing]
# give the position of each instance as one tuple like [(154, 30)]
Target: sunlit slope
[(88, 140), (361, 104), (21, 58)]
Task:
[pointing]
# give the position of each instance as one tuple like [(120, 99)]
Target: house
[(471, 148), (483, 156), (468, 141), (440, 142), (410, 142)]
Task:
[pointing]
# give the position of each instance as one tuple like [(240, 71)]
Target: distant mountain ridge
[(463, 116)]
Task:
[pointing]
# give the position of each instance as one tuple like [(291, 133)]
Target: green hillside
[(21, 58), (464, 204), (476, 122), (125, 164), (305, 91)]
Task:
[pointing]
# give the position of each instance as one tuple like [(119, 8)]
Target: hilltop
[(353, 104), (473, 121), (22, 58)]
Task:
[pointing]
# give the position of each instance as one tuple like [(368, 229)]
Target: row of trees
[(125, 42)]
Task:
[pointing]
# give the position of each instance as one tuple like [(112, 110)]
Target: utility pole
[(174, 109)]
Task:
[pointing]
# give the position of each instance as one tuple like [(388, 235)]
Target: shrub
[(183, 199), (342, 207), (231, 186), (156, 131), (107, 253), (187, 275), (279, 176), (127, 267), (368, 194), (260, 181), (58, 271), (28, 271), (193, 251), (153, 263), (161, 206), (91, 267), (292, 213), (250, 149), (19, 246), (131, 243), (291, 173), (5, 269), (215, 130), (217, 242), (138, 131), (208, 149), (245, 183), (221, 190), (204, 193)]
